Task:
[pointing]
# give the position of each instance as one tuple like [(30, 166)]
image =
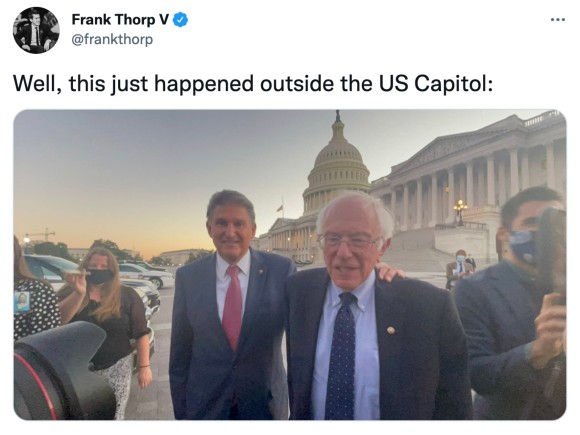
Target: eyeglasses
[(355, 244)]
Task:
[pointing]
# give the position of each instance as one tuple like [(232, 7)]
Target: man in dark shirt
[(515, 329)]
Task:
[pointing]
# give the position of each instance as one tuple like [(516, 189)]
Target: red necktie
[(232, 318)]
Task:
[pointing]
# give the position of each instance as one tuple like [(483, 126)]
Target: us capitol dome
[(338, 167)]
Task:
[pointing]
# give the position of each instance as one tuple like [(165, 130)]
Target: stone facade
[(179, 257), (483, 168)]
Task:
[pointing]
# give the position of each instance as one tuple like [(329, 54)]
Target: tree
[(199, 254), (113, 247), (158, 261), (56, 250)]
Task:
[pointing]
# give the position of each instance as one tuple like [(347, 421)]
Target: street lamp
[(459, 207), (26, 241)]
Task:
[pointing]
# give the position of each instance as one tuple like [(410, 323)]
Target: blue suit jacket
[(423, 365), (498, 318), (206, 376)]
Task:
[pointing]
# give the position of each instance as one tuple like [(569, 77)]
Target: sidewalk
[(154, 402)]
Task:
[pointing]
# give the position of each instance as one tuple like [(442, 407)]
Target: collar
[(523, 275), (222, 265), (363, 293)]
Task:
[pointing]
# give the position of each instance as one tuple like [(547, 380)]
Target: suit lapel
[(314, 296), (514, 295), (254, 296), (206, 283), (390, 313)]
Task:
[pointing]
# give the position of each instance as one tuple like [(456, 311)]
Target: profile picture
[(36, 30), (21, 302)]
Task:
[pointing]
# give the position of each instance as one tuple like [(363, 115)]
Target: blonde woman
[(99, 297)]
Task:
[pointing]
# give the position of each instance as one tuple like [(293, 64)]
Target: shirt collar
[(522, 274), (363, 293), (222, 265)]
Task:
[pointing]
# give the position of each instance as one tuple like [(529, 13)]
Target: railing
[(541, 118), (468, 225)]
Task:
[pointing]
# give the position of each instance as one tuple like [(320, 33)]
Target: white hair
[(384, 215)]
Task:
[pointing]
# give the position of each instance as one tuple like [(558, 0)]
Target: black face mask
[(99, 276)]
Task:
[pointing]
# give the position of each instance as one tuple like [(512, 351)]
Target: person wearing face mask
[(103, 300), (458, 269), (516, 330)]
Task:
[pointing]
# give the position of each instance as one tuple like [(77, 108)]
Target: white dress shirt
[(223, 281), (366, 375)]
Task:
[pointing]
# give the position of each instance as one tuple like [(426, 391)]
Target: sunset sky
[(143, 178)]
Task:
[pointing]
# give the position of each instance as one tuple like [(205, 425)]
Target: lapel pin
[(390, 330), (261, 271)]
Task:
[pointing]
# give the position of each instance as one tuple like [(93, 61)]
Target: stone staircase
[(424, 260), (413, 252)]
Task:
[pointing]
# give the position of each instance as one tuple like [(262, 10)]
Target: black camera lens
[(52, 380)]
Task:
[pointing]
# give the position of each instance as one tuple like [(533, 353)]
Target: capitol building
[(481, 168)]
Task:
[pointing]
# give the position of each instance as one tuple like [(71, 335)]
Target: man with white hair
[(364, 349)]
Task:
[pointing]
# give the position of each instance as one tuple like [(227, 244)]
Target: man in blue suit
[(225, 359), (364, 349), (516, 330)]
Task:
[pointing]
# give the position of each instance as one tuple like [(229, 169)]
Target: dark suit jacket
[(423, 365), (498, 317), (26, 33), (206, 376)]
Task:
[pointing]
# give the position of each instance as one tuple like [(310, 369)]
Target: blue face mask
[(523, 245), (461, 258)]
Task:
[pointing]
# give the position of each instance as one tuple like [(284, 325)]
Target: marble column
[(434, 201), (419, 211), (501, 182), (514, 172), (405, 207), (469, 183), (490, 181), (451, 196)]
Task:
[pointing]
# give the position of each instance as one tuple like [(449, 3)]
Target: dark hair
[(33, 12), (510, 209), (230, 197)]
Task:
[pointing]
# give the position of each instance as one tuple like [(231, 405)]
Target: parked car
[(160, 279), (148, 288), (144, 265), (51, 269)]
